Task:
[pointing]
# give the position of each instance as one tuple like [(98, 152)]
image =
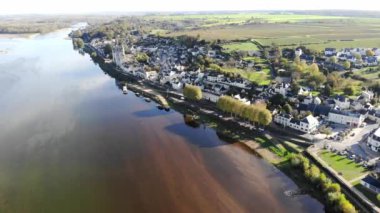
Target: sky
[(98, 6)]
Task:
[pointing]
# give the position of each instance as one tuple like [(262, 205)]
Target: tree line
[(256, 113), (336, 200)]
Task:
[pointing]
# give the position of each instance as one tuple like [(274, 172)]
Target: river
[(70, 141)]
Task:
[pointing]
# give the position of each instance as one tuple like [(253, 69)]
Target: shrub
[(334, 188), (314, 173)]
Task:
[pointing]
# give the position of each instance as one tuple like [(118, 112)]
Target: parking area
[(352, 142)]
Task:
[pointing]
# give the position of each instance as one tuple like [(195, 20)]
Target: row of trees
[(333, 195), (255, 113), (193, 93)]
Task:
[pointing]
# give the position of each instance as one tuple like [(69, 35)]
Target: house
[(346, 118), (288, 53), (307, 58), (220, 89), (376, 51), (308, 124), (237, 82), (167, 76), (311, 100), (211, 53), (256, 53), (298, 52), (214, 77), (286, 80), (151, 75), (351, 59), (374, 115), (303, 91), (315, 109), (243, 100), (334, 67), (371, 61), (282, 88), (342, 102), (343, 56), (308, 99), (330, 52), (365, 97), (177, 85), (179, 67), (373, 141), (371, 183), (282, 119), (360, 51)]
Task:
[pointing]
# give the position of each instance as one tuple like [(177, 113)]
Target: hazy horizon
[(40, 7)]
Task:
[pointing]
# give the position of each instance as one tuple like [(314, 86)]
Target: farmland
[(316, 32), (243, 46), (211, 20)]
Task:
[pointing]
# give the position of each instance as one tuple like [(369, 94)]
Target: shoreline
[(18, 35)]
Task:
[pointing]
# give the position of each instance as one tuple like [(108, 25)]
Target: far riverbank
[(18, 35)]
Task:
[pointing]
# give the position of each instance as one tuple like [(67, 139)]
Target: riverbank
[(17, 35)]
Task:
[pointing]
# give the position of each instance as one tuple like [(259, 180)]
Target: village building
[(371, 183), (308, 124), (373, 141), (330, 52), (298, 52), (346, 118)]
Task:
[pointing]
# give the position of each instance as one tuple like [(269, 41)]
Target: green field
[(240, 46), (212, 20), (277, 149), (261, 78), (316, 32), (369, 73), (348, 168)]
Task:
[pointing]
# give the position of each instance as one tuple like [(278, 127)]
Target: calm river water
[(70, 141)]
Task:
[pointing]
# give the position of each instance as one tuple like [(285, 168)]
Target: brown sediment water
[(71, 141)]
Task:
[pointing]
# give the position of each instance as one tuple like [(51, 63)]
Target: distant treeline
[(347, 13), (31, 28), (44, 24)]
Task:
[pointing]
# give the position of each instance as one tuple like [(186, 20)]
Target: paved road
[(356, 144)]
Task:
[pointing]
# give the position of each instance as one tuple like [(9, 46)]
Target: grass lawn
[(348, 168), (240, 46), (369, 72), (257, 60), (261, 78), (278, 149)]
